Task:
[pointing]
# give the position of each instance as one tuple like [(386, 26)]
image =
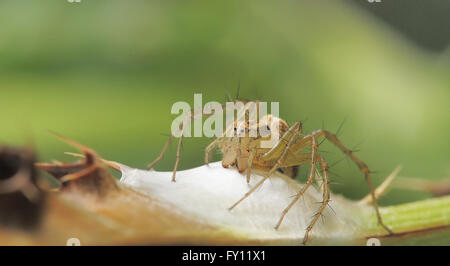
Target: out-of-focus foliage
[(107, 73)]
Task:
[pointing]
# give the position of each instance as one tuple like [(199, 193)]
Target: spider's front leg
[(177, 159), (161, 155), (166, 146), (286, 140), (251, 156), (193, 114), (211, 146)]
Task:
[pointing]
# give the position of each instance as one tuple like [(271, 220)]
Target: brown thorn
[(113, 165), (71, 142)]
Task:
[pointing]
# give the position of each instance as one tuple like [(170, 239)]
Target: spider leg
[(192, 114), (249, 164), (362, 166), (274, 153), (150, 166), (211, 146), (291, 134), (325, 198), (177, 160), (312, 172)]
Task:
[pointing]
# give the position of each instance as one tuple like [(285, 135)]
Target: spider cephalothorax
[(245, 148)]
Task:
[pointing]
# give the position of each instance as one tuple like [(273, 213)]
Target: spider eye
[(235, 129)]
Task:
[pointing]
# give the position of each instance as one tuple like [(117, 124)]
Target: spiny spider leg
[(150, 166), (312, 173), (291, 134), (325, 198), (177, 160), (249, 164), (192, 114), (362, 166), (211, 146)]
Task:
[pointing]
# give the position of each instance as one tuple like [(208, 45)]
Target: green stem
[(412, 217)]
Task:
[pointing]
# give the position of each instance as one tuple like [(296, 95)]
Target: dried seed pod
[(21, 203), (89, 176)]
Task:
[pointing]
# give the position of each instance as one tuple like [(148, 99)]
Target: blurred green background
[(106, 73)]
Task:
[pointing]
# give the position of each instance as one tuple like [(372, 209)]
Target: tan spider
[(245, 151)]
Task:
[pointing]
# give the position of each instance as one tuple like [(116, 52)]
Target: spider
[(244, 150)]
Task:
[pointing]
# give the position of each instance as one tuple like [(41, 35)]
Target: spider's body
[(244, 150)]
